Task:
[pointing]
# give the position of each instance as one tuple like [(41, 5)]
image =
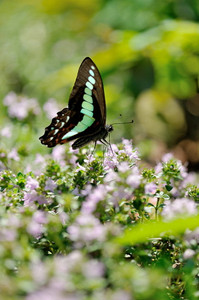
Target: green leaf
[(143, 232)]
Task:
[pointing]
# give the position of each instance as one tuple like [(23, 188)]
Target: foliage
[(146, 51), (93, 225), (100, 224)]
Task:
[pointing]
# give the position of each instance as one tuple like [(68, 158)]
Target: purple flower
[(192, 237), (8, 234), (158, 169), (167, 157), (35, 227), (58, 153), (50, 185), (6, 131), (87, 228), (119, 194), (128, 150), (189, 253), (40, 217), (134, 178), (13, 155), (10, 99), (123, 167), (31, 183), (189, 179), (50, 293), (110, 160), (93, 269), (31, 197), (39, 159), (51, 108), (179, 207), (19, 107), (112, 176), (63, 217), (97, 195), (150, 188)]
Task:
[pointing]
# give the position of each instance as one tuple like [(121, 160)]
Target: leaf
[(143, 232)]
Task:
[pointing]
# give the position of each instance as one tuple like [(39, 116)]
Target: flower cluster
[(20, 107), (63, 219)]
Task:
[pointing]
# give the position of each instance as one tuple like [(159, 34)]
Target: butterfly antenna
[(130, 122)]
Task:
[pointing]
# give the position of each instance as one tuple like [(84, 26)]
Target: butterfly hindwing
[(86, 113)]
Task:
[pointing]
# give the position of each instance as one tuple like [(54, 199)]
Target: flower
[(167, 157), (189, 253), (110, 159), (98, 194), (129, 151), (93, 269), (123, 166), (178, 208), (134, 178), (6, 131), (35, 226), (51, 107), (31, 183), (50, 185), (19, 107), (58, 153), (150, 188), (87, 228), (13, 154), (192, 237), (31, 197)]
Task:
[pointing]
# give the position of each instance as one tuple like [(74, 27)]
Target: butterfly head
[(109, 128)]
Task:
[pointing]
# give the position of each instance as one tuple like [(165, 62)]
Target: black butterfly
[(85, 118)]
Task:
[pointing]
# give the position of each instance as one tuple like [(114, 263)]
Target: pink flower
[(13, 155), (31, 183), (93, 269), (31, 197), (19, 107), (179, 207), (189, 253), (50, 185), (51, 108), (6, 131), (150, 188), (134, 178), (87, 228), (96, 195), (123, 167), (35, 227), (58, 153)]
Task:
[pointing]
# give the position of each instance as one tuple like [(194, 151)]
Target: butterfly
[(85, 118)]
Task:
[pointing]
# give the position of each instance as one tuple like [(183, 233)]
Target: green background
[(146, 50)]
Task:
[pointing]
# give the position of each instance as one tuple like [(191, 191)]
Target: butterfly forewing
[(89, 78), (86, 113)]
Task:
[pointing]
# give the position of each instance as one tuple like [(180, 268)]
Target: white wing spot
[(91, 79), (51, 138), (91, 73), (67, 118), (89, 85), (92, 67), (62, 124)]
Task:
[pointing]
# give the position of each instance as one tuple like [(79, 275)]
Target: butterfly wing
[(86, 112)]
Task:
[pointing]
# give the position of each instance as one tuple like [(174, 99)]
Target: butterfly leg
[(95, 144), (106, 143), (103, 141)]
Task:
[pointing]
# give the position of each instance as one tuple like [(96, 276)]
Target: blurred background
[(146, 50)]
